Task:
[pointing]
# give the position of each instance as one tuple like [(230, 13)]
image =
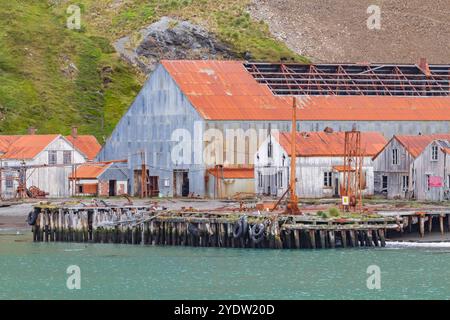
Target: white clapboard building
[(320, 161), (42, 161)]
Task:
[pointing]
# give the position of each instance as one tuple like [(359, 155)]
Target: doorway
[(112, 188), (180, 183), (336, 187)]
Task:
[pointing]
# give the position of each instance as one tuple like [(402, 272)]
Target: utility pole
[(293, 201), (144, 192)]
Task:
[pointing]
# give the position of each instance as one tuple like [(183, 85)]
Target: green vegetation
[(334, 212), (52, 77)]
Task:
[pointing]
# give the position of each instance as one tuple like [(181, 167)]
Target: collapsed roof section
[(353, 79)]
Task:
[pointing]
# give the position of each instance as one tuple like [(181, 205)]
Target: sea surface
[(39, 271)]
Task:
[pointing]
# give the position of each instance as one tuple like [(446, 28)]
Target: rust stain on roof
[(29, 146), (233, 172), (227, 91), (415, 144), (25, 146), (322, 144), (89, 170), (87, 144)]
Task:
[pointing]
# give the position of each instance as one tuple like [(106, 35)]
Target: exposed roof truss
[(353, 79)]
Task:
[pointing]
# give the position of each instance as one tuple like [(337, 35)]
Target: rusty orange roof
[(415, 144), (317, 144), (89, 170), (225, 90), (341, 168), (86, 144), (28, 146), (233, 172), (7, 141)]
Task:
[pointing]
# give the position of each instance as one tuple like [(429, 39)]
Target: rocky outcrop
[(171, 39)]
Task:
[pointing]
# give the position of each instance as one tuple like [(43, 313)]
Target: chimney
[(328, 130), (423, 65), (31, 130), (74, 132)]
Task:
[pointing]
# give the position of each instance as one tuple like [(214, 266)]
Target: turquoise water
[(38, 271)]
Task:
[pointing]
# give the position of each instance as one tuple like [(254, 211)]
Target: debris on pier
[(152, 225)]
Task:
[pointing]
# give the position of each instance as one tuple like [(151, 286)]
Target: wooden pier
[(143, 225)]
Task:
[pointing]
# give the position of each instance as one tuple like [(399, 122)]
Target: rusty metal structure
[(353, 79), (352, 172), (292, 206)]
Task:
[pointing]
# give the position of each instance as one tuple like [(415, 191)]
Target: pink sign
[(435, 182)]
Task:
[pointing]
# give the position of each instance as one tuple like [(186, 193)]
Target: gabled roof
[(25, 146), (323, 144), (233, 172), (89, 171), (416, 144), (226, 90), (92, 170), (86, 144), (6, 142)]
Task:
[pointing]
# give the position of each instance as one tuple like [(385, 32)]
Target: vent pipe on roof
[(74, 132), (424, 66), (31, 130)]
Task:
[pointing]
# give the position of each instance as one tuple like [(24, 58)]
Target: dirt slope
[(336, 30)]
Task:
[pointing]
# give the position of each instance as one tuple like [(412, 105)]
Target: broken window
[(269, 150), (260, 182), (434, 153), (327, 176), (384, 183), (394, 156), (405, 183), (280, 179)]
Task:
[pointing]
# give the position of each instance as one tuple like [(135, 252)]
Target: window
[(260, 180), (269, 149), (405, 183), (67, 157), (394, 156), (280, 179), (384, 183), (9, 183), (327, 179), (52, 157), (427, 181), (434, 153)]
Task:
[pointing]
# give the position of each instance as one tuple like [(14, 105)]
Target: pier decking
[(146, 225)]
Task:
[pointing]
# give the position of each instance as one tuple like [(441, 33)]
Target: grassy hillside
[(52, 77)]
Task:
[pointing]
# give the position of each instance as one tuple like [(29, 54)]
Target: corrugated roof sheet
[(233, 173), (317, 144), (415, 144), (225, 90), (27, 146), (87, 144), (7, 141), (89, 170)]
